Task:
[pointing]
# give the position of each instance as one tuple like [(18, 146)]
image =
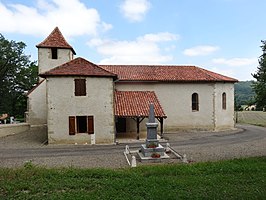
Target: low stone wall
[(10, 129)]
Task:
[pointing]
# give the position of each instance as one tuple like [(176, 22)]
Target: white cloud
[(159, 37), (72, 17), (236, 61), (135, 10), (144, 50), (225, 72), (200, 50)]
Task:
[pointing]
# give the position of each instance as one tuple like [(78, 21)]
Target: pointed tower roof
[(57, 40)]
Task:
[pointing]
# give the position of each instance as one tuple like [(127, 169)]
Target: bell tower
[(54, 51)]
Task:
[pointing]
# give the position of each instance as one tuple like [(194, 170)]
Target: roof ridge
[(145, 65), (170, 73), (206, 72), (210, 73)]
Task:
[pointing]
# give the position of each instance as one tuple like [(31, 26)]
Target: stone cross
[(151, 114), (151, 125)]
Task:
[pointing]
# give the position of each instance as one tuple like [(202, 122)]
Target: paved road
[(248, 140), (245, 133), (251, 141)]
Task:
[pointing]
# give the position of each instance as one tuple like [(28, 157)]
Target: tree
[(260, 75), (244, 93), (17, 75)]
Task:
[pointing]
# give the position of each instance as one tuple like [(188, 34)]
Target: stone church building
[(82, 102)]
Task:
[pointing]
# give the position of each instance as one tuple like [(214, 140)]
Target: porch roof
[(136, 104)]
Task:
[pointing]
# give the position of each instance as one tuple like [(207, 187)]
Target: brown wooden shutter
[(80, 87), (72, 125), (90, 125)]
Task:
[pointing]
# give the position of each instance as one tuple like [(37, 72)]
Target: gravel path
[(18, 149)]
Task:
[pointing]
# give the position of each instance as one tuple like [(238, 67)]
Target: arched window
[(195, 102), (224, 101)]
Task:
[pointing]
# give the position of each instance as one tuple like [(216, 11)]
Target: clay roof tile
[(56, 40), (165, 73), (78, 67), (136, 104)]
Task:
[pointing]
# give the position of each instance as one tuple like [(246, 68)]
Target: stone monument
[(152, 149)]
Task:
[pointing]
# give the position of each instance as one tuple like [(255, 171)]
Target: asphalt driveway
[(30, 146)]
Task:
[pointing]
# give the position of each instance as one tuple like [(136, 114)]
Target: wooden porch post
[(138, 122), (160, 119), (161, 122)]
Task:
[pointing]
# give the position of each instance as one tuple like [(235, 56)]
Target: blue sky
[(219, 35)]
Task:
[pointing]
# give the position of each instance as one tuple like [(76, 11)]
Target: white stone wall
[(37, 106), (62, 103), (224, 118), (45, 61), (175, 99), (11, 129)]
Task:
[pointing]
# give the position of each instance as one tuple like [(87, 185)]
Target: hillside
[(244, 93)]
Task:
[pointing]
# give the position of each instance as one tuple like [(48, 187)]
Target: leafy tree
[(17, 75), (244, 93), (260, 75)]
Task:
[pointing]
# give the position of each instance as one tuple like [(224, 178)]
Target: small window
[(81, 124), (195, 102), (224, 101), (80, 87), (54, 53)]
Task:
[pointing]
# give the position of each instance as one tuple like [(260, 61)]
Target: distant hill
[(244, 93)]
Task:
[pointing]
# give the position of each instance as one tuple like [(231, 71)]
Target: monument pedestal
[(152, 150), (152, 154)]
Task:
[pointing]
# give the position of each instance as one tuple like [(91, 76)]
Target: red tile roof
[(165, 73), (78, 67), (136, 104), (57, 40)]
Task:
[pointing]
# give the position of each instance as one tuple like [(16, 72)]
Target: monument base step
[(152, 159), (150, 152)]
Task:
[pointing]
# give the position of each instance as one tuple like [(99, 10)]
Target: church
[(82, 102)]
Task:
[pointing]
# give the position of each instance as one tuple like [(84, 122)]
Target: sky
[(223, 36)]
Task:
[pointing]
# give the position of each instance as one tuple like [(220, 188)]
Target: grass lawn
[(233, 179), (252, 117)]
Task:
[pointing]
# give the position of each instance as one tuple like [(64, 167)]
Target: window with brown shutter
[(80, 87), (81, 124), (72, 125), (90, 125)]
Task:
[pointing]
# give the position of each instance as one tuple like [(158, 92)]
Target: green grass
[(233, 179), (257, 118)]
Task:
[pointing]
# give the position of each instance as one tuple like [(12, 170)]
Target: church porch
[(131, 113)]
